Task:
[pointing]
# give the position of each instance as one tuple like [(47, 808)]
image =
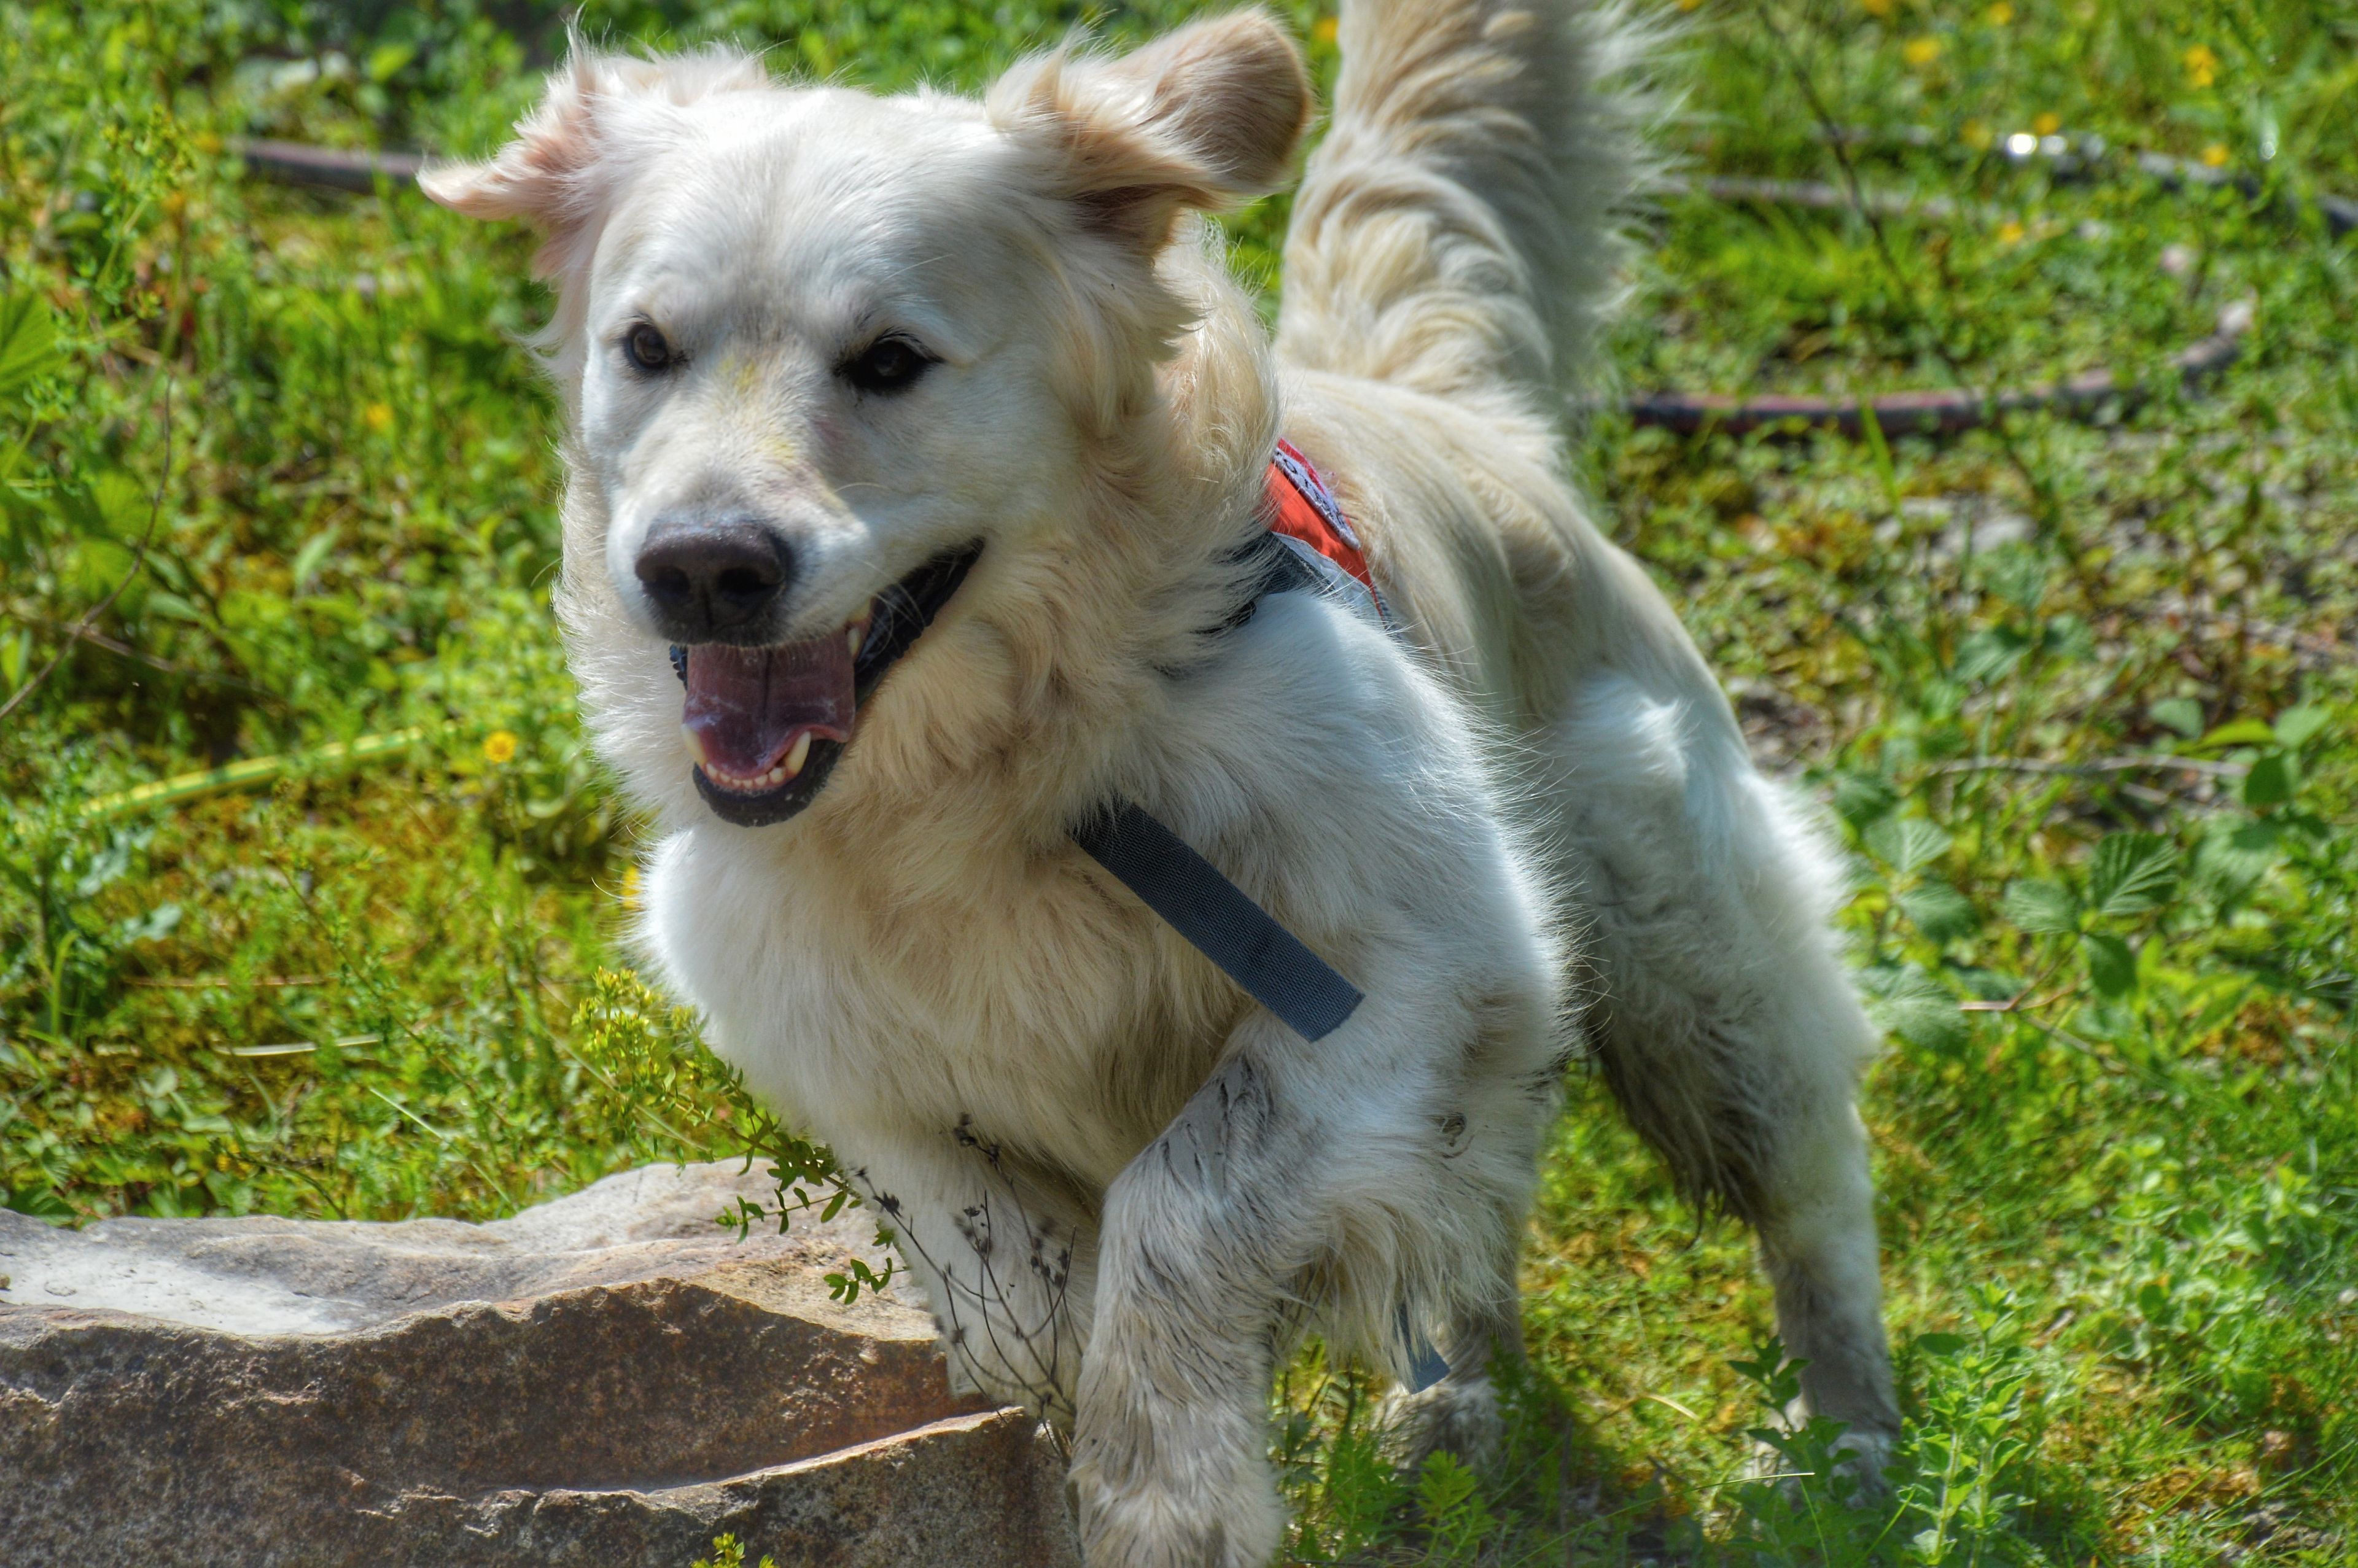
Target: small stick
[(2096, 769)]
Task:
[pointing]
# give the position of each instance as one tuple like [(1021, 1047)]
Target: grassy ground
[(2081, 698)]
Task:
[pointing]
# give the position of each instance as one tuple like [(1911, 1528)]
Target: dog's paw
[(1154, 1529), (1456, 1416), (1860, 1457)]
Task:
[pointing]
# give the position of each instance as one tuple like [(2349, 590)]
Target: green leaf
[(1940, 1343), (1881, 451), (2296, 726), (1938, 910), (2269, 782), (2237, 732), (385, 60), (2182, 714), (2111, 966), (28, 339), (308, 559), (1904, 843), (2132, 873), (1862, 798), (2234, 855), (2042, 907), (1988, 655), (1905, 1000)]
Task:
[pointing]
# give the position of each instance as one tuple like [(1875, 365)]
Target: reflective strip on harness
[(1219, 920)]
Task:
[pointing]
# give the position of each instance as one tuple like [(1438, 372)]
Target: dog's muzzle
[(765, 725)]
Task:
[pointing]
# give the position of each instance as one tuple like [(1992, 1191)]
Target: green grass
[(2117, 1130)]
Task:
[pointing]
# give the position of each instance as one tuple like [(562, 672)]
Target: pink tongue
[(746, 705)]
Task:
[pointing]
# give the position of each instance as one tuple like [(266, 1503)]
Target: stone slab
[(609, 1379)]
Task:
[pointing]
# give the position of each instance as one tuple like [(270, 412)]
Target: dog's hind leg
[(1724, 1023), (1458, 1412)]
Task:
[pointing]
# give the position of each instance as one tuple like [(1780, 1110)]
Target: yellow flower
[(2010, 232), (2215, 155), (500, 746), (631, 888), (1877, 7), (1921, 51), (378, 417), (2202, 65), (2046, 125), (1324, 30), (1999, 15), (1976, 135)]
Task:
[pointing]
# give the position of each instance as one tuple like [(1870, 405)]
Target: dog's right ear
[(573, 152), (1203, 117)]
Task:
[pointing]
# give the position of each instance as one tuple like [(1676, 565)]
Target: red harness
[(1305, 518)]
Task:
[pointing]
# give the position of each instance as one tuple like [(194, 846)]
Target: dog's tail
[(1460, 228)]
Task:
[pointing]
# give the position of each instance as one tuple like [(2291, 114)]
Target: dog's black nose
[(714, 580)]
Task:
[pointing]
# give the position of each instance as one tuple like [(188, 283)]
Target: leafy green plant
[(728, 1552), (646, 1054)]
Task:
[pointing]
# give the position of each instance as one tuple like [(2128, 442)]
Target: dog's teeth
[(798, 756), (695, 747), (774, 777), (851, 638)]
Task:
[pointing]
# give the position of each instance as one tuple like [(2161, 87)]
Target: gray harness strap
[(1218, 920)]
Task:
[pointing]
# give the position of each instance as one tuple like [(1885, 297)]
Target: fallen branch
[(337, 168), (225, 982), (252, 772), (1942, 412), (2156, 763)]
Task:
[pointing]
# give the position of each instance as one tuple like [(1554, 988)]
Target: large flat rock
[(609, 1379)]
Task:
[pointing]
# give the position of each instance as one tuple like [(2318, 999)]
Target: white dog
[(840, 370)]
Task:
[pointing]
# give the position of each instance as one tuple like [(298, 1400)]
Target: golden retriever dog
[(921, 455)]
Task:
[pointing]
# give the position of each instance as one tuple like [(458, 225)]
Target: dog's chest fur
[(1017, 994)]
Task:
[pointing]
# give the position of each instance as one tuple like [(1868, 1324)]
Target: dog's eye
[(645, 347), (887, 365)]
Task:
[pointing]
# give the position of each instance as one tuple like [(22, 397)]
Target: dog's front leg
[(1201, 1233)]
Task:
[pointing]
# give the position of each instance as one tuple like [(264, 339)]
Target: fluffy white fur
[(1528, 820)]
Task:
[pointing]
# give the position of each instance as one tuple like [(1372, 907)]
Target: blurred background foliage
[(2078, 696)]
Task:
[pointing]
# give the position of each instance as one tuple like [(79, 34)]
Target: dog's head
[(823, 352)]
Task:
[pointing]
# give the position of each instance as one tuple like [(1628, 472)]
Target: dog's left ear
[(1206, 117)]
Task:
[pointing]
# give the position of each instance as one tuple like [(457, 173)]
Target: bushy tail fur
[(1459, 230)]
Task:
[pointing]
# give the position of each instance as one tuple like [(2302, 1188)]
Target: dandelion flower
[(631, 888), (2010, 232), (1999, 15), (500, 746), (1325, 28), (378, 417), (2046, 125), (1922, 51), (2202, 65), (2215, 155), (1877, 7)]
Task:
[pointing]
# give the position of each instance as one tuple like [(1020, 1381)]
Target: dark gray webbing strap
[(1216, 918)]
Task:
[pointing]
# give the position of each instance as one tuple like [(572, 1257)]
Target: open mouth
[(767, 726)]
